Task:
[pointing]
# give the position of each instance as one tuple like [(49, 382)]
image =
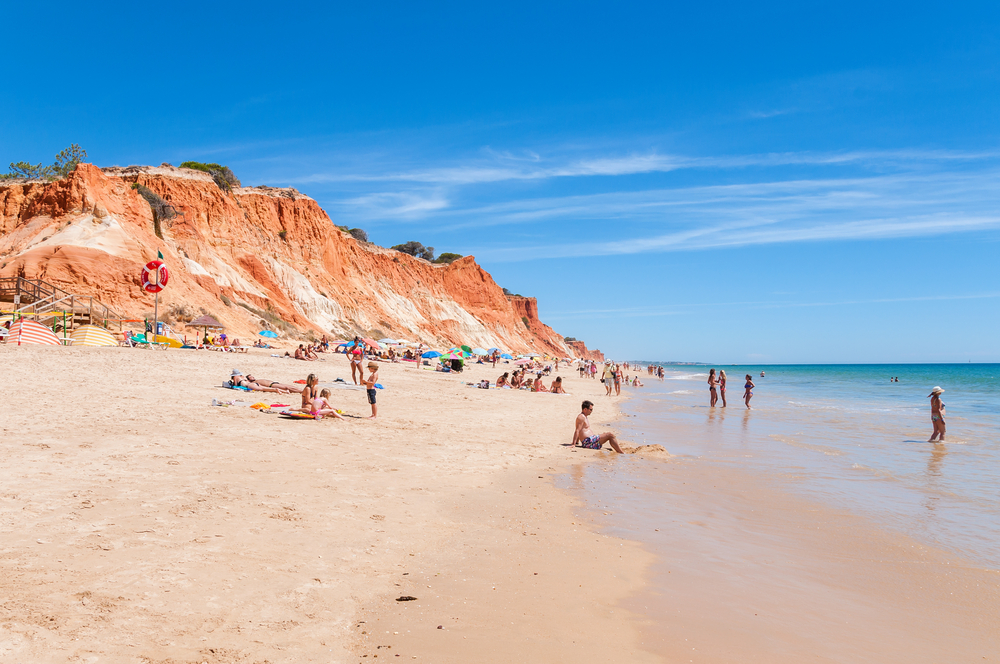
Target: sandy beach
[(141, 524)]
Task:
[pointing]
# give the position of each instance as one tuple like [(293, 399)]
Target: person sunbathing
[(502, 380), (557, 386), (539, 385), (237, 379), (529, 385)]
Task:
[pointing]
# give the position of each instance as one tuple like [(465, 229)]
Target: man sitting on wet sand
[(586, 437)]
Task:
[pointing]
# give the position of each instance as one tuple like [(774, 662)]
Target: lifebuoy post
[(154, 279)]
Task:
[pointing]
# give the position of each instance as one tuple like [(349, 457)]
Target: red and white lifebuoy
[(154, 276)]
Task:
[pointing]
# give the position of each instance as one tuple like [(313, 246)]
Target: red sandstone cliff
[(580, 350), (257, 257)]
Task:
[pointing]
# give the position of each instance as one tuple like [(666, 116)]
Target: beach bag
[(602, 380)]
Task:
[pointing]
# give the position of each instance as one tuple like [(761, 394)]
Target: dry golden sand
[(140, 524)]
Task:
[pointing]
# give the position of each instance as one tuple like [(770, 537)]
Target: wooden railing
[(52, 306)]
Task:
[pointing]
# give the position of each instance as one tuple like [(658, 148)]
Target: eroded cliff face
[(580, 350), (273, 254)]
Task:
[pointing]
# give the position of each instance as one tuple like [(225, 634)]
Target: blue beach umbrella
[(269, 334), (507, 356), (491, 350), (478, 351), (431, 354)]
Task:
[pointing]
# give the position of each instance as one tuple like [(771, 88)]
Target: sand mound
[(647, 450)]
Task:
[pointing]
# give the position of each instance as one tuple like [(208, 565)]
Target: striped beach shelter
[(29, 332), (92, 335)]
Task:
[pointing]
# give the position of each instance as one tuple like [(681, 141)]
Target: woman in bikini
[(937, 415), (748, 391), (357, 355), (502, 380), (713, 394), (309, 395), (722, 386)]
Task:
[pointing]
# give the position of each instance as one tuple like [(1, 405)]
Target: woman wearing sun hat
[(937, 415)]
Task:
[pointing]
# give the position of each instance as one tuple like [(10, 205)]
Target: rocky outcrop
[(580, 350), (255, 257)]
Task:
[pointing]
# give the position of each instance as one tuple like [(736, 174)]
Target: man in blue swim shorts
[(587, 438)]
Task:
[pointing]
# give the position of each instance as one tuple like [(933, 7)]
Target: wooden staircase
[(52, 306)]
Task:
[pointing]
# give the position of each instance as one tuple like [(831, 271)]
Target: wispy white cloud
[(684, 308)]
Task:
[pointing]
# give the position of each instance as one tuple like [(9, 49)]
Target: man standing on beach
[(608, 377), (585, 436)]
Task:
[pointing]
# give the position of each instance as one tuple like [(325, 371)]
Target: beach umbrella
[(478, 351), (387, 341), (507, 356), (371, 342), (532, 355), (206, 322), (523, 362), (269, 334), (431, 354), (92, 335), (492, 350), (29, 332), (466, 349)]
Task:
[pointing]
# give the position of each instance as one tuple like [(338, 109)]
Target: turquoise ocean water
[(846, 436)]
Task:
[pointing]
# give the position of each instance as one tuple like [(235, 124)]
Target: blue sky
[(767, 182)]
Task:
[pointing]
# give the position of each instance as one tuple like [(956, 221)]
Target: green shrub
[(283, 235), (414, 248), (222, 175), (524, 319), (65, 162), (225, 300), (447, 257), (162, 211), (569, 338)]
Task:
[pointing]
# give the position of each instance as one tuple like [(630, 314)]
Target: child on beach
[(322, 406), (370, 387)]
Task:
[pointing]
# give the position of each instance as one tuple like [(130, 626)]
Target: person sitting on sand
[(515, 380), (636, 382), (557, 386), (309, 395), (502, 380), (539, 385), (323, 408), (529, 385), (583, 434)]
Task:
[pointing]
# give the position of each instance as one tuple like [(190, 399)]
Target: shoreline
[(142, 523)]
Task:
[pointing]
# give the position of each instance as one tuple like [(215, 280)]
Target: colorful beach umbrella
[(269, 334), (29, 332), (92, 335)]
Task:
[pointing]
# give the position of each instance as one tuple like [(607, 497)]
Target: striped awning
[(29, 332), (92, 335)]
